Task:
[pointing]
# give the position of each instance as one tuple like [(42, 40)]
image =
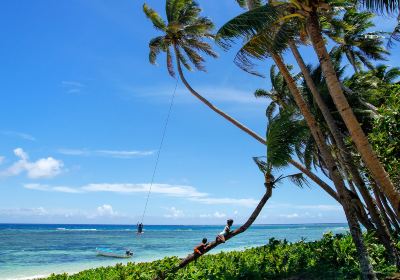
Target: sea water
[(28, 251)]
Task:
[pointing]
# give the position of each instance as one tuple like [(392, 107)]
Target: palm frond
[(262, 44), (263, 165), (156, 46), (395, 35), (247, 24), (283, 132), (249, 4), (155, 18), (194, 57), (262, 93), (298, 179), (170, 64), (382, 6)]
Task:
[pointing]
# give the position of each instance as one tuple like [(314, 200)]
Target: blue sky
[(81, 116)]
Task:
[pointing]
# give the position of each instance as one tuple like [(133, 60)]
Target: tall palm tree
[(185, 32), (308, 12), (335, 88), (354, 40), (262, 45), (284, 131)]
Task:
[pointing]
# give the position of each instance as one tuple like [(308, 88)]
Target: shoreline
[(78, 270)]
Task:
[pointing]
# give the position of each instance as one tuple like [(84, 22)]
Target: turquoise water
[(39, 250)]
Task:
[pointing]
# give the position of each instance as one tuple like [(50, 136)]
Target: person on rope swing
[(201, 248), (227, 230), (139, 228)]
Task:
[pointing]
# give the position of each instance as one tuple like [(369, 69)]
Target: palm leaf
[(283, 132), (170, 65), (155, 18), (298, 179), (382, 6), (247, 24)]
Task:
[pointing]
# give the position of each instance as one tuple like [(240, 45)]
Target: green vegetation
[(332, 257), (385, 135)]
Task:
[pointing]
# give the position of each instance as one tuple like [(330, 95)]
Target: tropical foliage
[(332, 257)]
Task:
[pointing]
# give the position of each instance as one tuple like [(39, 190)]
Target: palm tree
[(284, 131), (350, 33), (308, 12), (186, 30), (279, 93), (335, 88), (264, 44)]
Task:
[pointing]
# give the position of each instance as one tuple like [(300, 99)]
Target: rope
[(159, 149)]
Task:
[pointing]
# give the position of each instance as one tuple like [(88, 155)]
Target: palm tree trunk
[(366, 268), (240, 230), (344, 153), (257, 137), (385, 216), (359, 138), (389, 210)]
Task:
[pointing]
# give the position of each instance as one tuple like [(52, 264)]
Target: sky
[(81, 119)]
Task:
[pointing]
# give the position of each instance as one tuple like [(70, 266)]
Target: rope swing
[(140, 224)]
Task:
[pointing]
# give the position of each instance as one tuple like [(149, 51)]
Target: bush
[(332, 257)]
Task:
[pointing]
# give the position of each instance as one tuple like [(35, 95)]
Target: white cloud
[(317, 207), (39, 211), (165, 189), (42, 168), (47, 188), (235, 212), (179, 191), (290, 216), (223, 94), (105, 153), (246, 202), (103, 211), (106, 210), (219, 215), (21, 135), (72, 86), (174, 213)]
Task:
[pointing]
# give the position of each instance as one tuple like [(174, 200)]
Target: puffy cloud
[(219, 215), (106, 210), (174, 213), (42, 168)]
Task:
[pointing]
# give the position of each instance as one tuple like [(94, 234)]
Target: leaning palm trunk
[(366, 268), (241, 229), (359, 138), (389, 221), (344, 153), (257, 137)]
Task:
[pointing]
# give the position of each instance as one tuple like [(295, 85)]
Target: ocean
[(29, 250)]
